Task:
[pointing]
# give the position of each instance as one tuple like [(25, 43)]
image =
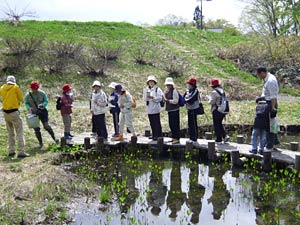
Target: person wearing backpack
[(171, 97), (260, 126), (36, 102), (125, 103), (67, 99), (153, 96), (114, 107), (215, 100), (98, 109), (192, 101)]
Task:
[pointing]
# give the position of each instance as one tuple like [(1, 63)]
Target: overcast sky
[(133, 11)]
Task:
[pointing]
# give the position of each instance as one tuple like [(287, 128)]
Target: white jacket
[(99, 102), (125, 102), (153, 105)]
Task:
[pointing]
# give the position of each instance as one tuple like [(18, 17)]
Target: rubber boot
[(38, 135), (51, 132), (67, 136)]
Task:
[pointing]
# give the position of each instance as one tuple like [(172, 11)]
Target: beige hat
[(11, 80), (112, 85), (169, 81), (96, 83), (151, 78)]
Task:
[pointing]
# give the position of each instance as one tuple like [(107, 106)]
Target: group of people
[(121, 103), (36, 102)]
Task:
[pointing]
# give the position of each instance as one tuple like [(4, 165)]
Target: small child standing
[(98, 109), (260, 126), (66, 110), (114, 107)]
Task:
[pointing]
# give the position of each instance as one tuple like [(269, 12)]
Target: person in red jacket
[(66, 109)]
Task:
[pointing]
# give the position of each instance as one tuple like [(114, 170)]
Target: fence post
[(240, 139), (211, 150), (294, 146), (267, 159), (87, 143)]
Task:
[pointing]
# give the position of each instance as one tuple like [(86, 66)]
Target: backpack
[(134, 103), (58, 103), (181, 100), (162, 102), (224, 103)]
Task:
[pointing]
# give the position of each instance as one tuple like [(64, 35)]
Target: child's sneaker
[(253, 151)]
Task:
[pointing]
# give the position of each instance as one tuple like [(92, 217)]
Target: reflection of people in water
[(157, 194), (196, 192), (175, 197), (220, 195)]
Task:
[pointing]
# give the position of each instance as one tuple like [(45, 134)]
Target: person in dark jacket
[(114, 107), (260, 126), (172, 107), (192, 100), (66, 109)]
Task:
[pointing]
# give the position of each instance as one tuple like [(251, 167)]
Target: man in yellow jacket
[(11, 98)]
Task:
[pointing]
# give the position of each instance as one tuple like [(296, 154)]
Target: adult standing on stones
[(11, 97), (172, 107), (36, 102), (270, 93), (153, 97)]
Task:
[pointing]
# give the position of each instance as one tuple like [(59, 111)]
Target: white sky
[(133, 11)]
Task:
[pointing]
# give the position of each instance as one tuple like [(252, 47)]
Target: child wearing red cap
[(36, 101), (66, 109)]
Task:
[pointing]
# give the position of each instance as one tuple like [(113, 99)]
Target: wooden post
[(63, 142), (189, 146), (297, 163), (160, 144), (208, 135), (294, 146), (133, 141), (240, 139), (211, 150), (100, 143), (147, 133), (87, 143), (267, 159), (235, 158)]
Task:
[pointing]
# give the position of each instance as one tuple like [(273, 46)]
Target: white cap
[(151, 78), (11, 80), (169, 81), (96, 83), (112, 85)]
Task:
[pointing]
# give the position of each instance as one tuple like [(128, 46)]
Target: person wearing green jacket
[(36, 102), (11, 98)]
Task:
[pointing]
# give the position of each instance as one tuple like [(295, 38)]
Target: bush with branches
[(19, 53), (173, 65), (59, 56)]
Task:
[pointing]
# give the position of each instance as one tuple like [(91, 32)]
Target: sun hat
[(151, 78), (96, 83), (67, 87), (119, 88), (169, 81), (10, 79), (214, 82), (192, 81), (112, 85), (34, 85)]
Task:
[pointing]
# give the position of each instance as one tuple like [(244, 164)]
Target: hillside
[(196, 48)]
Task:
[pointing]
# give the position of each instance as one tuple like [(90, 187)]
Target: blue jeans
[(261, 134)]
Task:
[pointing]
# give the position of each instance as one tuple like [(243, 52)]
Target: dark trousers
[(93, 125), (192, 124), (174, 123), (218, 126), (155, 124), (116, 122), (270, 140), (100, 125)]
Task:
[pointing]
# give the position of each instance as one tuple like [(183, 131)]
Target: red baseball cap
[(34, 85)]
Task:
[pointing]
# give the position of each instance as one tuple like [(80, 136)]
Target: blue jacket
[(113, 103)]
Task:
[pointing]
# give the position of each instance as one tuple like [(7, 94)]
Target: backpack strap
[(33, 100), (220, 92)]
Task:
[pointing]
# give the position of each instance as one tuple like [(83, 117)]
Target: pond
[(148, 190)]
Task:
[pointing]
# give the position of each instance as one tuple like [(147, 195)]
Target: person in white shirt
[(270, 93), (98, 109), (153, 96)]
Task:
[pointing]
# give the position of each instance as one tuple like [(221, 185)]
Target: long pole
[(201, 16)]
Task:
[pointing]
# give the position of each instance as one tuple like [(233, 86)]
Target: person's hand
[(40, 106), (121, 106), (207, 97), (273, 113)]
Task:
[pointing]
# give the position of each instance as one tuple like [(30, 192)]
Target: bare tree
[(172, 20), (14, 15)]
